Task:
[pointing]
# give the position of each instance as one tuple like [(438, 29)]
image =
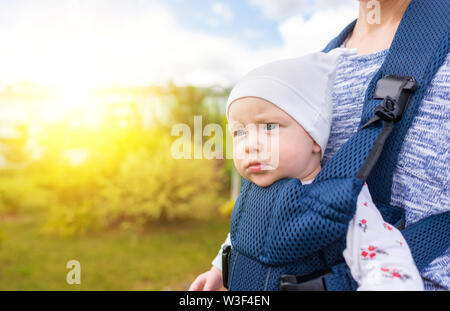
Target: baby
[(280, 116)]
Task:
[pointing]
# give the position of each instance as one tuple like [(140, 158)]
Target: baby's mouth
[(258, 167)]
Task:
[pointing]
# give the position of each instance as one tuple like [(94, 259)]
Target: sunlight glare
[(75, 156)]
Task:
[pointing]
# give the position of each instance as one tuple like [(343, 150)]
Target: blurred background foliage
[(76, 182), (90, 179)]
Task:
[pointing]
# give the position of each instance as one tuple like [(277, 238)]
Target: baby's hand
[(210, 280)]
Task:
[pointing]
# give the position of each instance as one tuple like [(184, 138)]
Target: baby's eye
[(239, 132), (271, 126)]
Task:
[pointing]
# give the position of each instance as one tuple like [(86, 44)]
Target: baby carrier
[(290, 236)]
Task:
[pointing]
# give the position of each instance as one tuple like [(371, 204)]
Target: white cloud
[(222, 10), (227, 60), (282, 9), (302, 36), (61, 44), (334, 4), (58, 42), (82, 42)]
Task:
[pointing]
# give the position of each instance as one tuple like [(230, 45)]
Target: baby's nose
[(253, 142), (251, 148)]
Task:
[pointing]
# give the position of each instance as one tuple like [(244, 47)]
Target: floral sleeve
[(377, 254)]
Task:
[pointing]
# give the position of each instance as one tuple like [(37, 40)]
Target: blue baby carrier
[(290, 236)]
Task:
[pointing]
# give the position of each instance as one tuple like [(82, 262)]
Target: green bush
[(73, 219), (149, 185), (159, 187), (20, 194)]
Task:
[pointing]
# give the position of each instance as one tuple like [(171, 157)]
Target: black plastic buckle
[(395, 92), (226, 253), (387, 110), (312, 282)]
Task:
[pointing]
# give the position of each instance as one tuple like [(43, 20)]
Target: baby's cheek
[(238, 149), (238, 165), (269, 150), (290, 159), (239, 160)]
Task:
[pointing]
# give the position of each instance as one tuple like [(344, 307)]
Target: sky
[(96, 43)]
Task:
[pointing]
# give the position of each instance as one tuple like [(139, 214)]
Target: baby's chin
[(262, 180)]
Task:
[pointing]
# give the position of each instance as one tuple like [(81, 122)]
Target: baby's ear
[(316, 148)]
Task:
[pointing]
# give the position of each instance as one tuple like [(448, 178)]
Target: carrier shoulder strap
[(419, 48)]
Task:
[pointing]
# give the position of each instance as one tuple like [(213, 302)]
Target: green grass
[(165, 257)]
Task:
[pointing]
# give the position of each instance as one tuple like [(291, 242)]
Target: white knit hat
[(299, 86)]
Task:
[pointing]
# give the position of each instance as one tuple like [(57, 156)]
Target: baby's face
[(268, 144)]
